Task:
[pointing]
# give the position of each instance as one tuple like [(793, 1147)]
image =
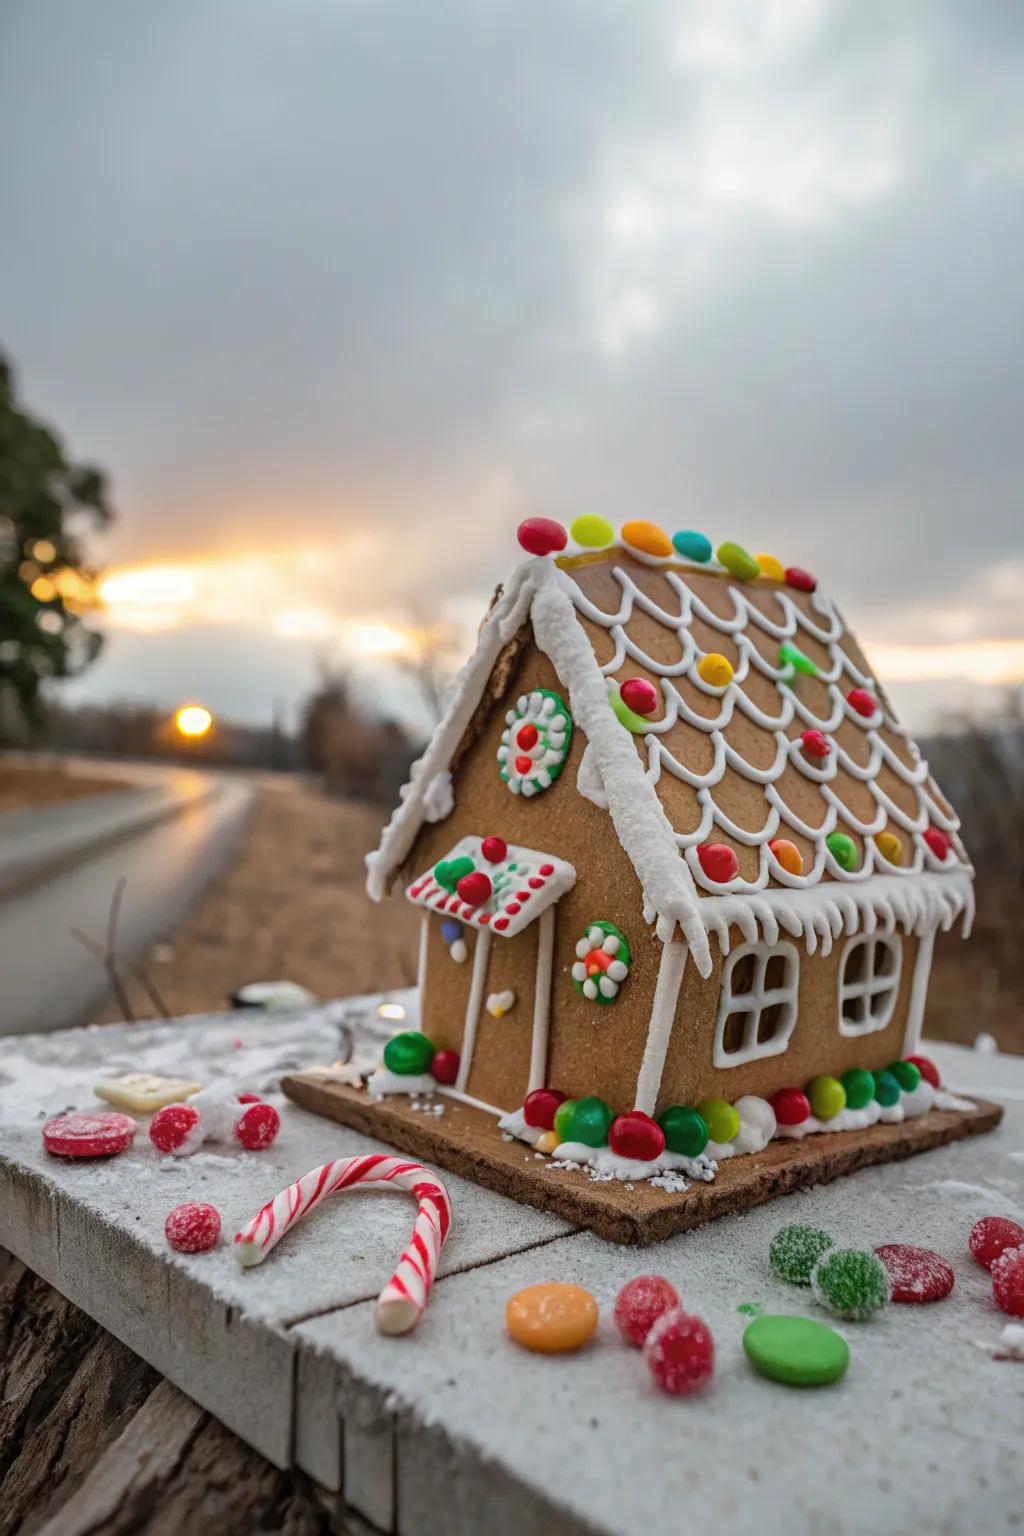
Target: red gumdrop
[(494, 849), (863, 702), (257, 1126), (541, 536), (639, 695), (539, 1108), (639, 1305), (680, 1352), (635, 1134), (474, 889), (718, 862), (100, 1135), (991, 1236), (802, 580), (526, 736), (816, 743), (938, 842), (928, 1070), (171, 1125), (192, 1227), (1008, 1282), (918, 1275), (444, 1068), (791, 1106)]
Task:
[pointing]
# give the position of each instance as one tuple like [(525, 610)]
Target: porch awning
[(489, 883)]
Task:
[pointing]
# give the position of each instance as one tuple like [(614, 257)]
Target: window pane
[(770, 1021), (744, 975), (775, 973), (733, 1032)]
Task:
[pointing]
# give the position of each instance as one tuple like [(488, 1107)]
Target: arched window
[(757, 1007), (869, 980)]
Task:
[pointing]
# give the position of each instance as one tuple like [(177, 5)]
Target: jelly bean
[(539, 1108), (647, 537), (792, 656), (718, 861), (635, 1134), (863, 702), (851, 1283), (680, 1352), (906, 1074), (626, 716), (721, 1119), (193, 1227), (991, 1236), (639, 695), (791, 1106), (692, 546), (585, 1120), (939, 843), (408, 1053), (887, 1089), (639, 1305), (591, 530), (85, 1135), (474, 889), (859, 1086), (451, 929), (551, 1318), (796, 1350), (890, 847), (715, 670), (788, 855), (795, 1250), (827, 1097), (1008, 1282), (815, 744), (928, 1070), (737, 562), (686, 1130), (771, 568), (541, 536), (843, 849), (801, 580), (916, 1275), (494, 849), (444, 1067)]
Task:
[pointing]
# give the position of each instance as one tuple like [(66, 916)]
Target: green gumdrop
[(851, 1283), (843, 849), (450, 871), (738, 562), (685, 1130), (906, 1074), (860, 1087), (793, 656), (827, 1096), (408, 1053), (887, 1089), (585, 1120), (795, 1250)]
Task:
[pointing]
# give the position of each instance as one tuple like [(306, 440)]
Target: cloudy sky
[(338, 291)]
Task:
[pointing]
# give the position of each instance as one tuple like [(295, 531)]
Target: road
[(47, 979)]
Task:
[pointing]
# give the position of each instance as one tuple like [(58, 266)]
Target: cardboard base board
[(466, 1141)]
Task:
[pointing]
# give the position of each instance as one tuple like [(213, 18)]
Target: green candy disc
[(685, 1130), (887, 1089), (585, 1120), (796, 1350), (860, 1087), (843, 849), (409, 1053), (906, 1074)]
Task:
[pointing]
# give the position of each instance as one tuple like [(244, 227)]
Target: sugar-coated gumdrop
[(1008, 1281), (715, 670), (541, 536), (692, 546), (639, 1305), (938, 842), (906, 1074), (257, 1127), (863, 702), (193, 1227), (475, 889), (890, 846), (648, 538), (816, 744), (795, 1250), (494, 849), (843, 849), (170, 1126), (917, 1275), (860, 1087), (635, 1134), (680, 1352), (719, 862), (100, 1135), (771, 569), (827, 1097), (800, 579), (444, 1067), (738, 562), (721, 1119), (686, 1130), (928, 1070), (851, 1283), (408, 1053), (796, 1350), (540, 1106), (788, 855), (991, 1236), (587, 1120), (639, 695), (552, 1317), (591, 530), (791, 1106), (451, 930), (887, 1089)]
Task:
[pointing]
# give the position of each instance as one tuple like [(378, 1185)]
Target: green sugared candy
[(906, 1074), (860, 1087), (585, 1120), (721, 1119), (692, 546), (686, 1130), (796, 1350), (409, 1053), (827, 1096), (794, 1252), (843, 849), (793, 656), (887, 1089), (738, 562), (450, 871), (851, 1283)]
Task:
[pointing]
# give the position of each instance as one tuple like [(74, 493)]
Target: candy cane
[(402, 1300)]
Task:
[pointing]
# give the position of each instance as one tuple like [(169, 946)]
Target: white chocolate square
[(144, 1092)]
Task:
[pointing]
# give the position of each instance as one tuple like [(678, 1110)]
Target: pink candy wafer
[(401, 1302)]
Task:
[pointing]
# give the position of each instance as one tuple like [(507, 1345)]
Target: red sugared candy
[(816, 743), (475, 889), (639, 1305), (494, 849), (802, 580), (991, 1236), (257, 1126), (938, 842), (539, 1108), (928, 1070), (680, 1352), (918, 1275), (635, 1134), (719, 862), (171, 1126), (1008, 1282), (639, 695), (541, 536), (791, 1106), (444, 1068), (249, 1098), (863, 702), (193, 1228), (100, 1135)]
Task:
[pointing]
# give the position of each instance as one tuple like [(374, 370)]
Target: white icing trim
[(542, 1001), (754, 1002), (474, 1003), (872, 986), (918, 993), (659, 1028), (421, 963), (629, 1170)]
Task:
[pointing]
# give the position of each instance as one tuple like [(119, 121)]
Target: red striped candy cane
[(402, 1300)]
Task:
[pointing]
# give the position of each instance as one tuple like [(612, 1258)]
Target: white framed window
[(757, 1006), (869, 981)]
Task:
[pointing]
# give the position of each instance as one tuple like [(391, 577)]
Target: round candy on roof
[(639, 1305), (917, 1275), (862, 701), (539, 1107), (851, 1283), (991, 1236), (541, 536), (721, 1119), (791, 1106), (718, 861), (474, 889), (788, 855), (816, 743), (715, 670), (444, 1067), (89, 1135), (494, 849), (591, 530), (680, 1352), (639, 695), (771, 568), (648, 538), (738, 562), (890, 847), (636, 1135), (796, 1350), (843, 849), (795, 1250), (692, 546), (928, 1070), (686, 1131), (800, 579), (939, 843), (859, 1086)]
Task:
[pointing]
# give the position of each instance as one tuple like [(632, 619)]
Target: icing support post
[(421, 967), (659, 1030), (542, 1000), (918, 993), (481, 954)]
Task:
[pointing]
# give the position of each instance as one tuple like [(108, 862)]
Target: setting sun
[(193, 721)]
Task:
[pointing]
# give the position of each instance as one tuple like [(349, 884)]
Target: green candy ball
[(585, 1120), (794, 1252), (685, 1130), (409, 1053), (843, 849), (721, 1119), (851, 1283), (887, 1089), (906, 1074), (859, 1086), (827, 1096)]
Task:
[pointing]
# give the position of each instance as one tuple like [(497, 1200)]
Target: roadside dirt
[(22, 786)]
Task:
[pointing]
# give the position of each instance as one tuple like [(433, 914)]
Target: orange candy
[(788, 855), (647, 537), (890, 847), (551, 1318)]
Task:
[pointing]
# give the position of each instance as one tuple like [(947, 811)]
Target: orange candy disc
[(647, 537), (552, 1317), (788, 855)]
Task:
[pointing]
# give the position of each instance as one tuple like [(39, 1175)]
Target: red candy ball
[(718, 862), (1008, 1282), (791, 1106), (494, 849), (938, 842), (257, 1126), (918, 1275), (802, 580), (639, 695), (193, 1228), (863, 702), (928, 1070), (639, 1305), (816, 743), (539, 1108), (474, 889), (680, 1352), (171, 1125), (99, 1135), (526, 736), (991, 1236), (636, 1135), (541, 536), (445, 1067)]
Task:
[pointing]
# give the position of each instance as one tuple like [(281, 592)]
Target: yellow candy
[(715, 669), (592, 531), (647, 537), (890, 847), (552, 1317), (827, 1096), (770, 567), (547, 1142), (721, 1119)]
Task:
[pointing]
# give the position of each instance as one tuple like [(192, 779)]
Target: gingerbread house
[(679, 867)]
